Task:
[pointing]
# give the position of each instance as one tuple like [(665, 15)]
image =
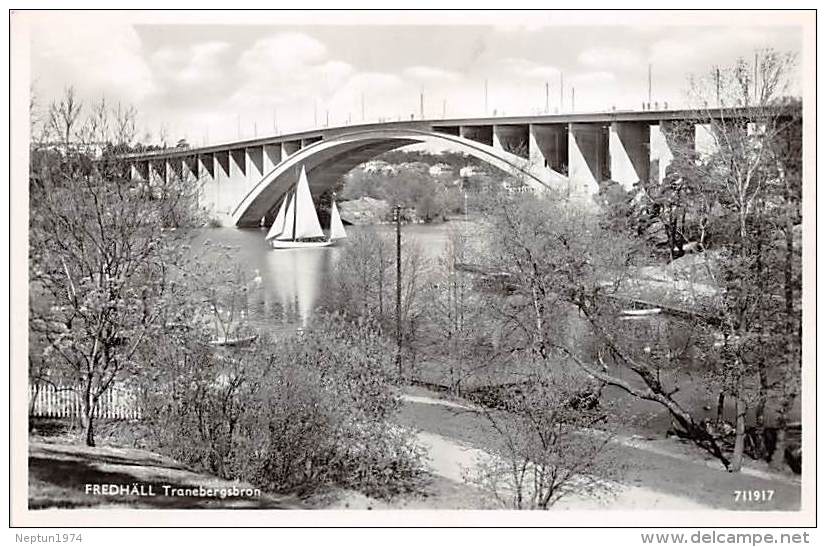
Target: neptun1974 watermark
[(169, 490)]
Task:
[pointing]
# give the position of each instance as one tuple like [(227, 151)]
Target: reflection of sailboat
[(296, 225), (296, 282)]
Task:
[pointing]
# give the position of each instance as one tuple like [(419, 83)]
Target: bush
[(309, 412)]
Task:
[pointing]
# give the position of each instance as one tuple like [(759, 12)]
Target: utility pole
[(547, 98), (398, 218), (717, 79), (561, 93), (649, 83), (756, 96), (573, 99), (421, 104), (327, 118)]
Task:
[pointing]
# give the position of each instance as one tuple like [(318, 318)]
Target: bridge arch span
[(327, 160)]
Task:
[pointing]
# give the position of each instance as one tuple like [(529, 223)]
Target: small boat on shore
[(296, 225), (234, 342)]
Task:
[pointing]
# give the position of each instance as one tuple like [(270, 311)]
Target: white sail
[(306, 219), (289, 220), (278, 226), (336, 226)]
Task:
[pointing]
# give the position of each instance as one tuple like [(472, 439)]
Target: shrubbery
[(291, 416)]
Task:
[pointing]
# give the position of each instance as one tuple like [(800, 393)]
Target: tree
[(548, 447), (455, 314), (571, 276), (751, 176), (102, 255), (63, 118)]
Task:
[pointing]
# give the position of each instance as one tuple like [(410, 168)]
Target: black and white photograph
[(459, 268)]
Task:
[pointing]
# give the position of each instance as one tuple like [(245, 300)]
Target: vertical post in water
[(397, 217)]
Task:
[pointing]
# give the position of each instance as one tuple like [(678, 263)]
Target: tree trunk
[(739, 435), (760, 412), (87, 419), (778, 458), (721, 406)]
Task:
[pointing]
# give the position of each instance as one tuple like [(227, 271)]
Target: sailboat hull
[(276, 244)]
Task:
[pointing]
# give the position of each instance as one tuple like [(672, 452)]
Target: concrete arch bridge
[(242, 182)]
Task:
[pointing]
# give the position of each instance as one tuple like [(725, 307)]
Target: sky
[(212, 83)]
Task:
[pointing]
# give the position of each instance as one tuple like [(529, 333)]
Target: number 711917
[(753, 495)]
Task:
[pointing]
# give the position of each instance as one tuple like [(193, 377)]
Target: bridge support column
[(237, 185), (222, 179), (309, 140), (478, 133), (548, 146), (288, 148), (174, 169), (190, 169), (157, 173), (704, 139), (511, 138), (207, 188), (137, 171), (666, 137), (587, 157), (255, 165), (272, 156), (629, 145)]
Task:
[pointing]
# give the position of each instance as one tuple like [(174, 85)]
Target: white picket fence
[(51, 401)]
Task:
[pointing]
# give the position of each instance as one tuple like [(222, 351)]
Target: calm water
[(293, 282)]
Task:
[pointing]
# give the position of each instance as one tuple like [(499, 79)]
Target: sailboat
[(296, 225)]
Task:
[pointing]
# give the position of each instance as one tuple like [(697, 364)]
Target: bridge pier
[(666, 137), (139, 170), (704, 139), (190, 169), (478, 133), (511, 138), (157, 173), (548, 146), (221, 179), (587, 157), (272, 156), (629, 150), (288, 148), (255, 165)]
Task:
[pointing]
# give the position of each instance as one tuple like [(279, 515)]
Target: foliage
[(432, 197), (102, 249), (309, 411), (548, 447)]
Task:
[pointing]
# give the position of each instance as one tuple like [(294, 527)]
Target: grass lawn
[(59, 473), (665, 465)]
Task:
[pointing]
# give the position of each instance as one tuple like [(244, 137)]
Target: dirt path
[(659, 476), (630, 441)]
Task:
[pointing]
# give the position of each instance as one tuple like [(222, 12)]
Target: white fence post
[(49, 401)]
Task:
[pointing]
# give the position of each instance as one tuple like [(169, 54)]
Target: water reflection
[(288, 285), (294, 279)]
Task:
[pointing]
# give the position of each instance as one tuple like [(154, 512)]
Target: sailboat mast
[(295, 210)]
